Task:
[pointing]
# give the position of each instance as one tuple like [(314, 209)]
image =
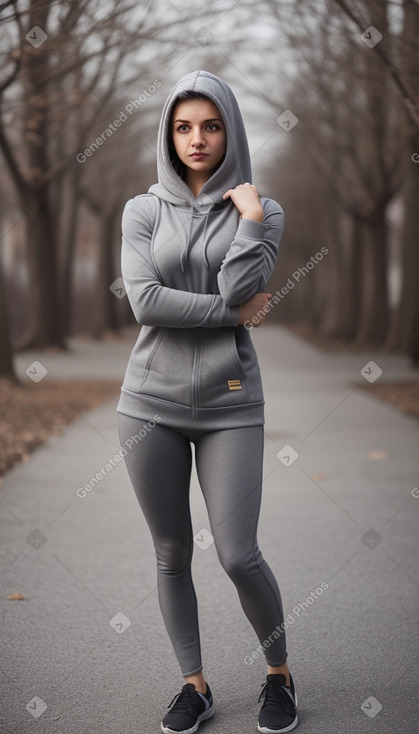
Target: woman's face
[(198, 135)]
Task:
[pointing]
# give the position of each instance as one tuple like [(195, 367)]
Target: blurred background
[(329, 92)]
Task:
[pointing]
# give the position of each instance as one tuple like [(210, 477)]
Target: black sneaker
[(278, 712), (187, 709)]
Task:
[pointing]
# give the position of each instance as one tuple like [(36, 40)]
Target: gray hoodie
[(188, 263)]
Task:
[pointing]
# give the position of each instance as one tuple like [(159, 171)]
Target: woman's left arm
[(251, 258)]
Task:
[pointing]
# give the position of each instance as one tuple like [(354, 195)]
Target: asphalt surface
[(86, 651)]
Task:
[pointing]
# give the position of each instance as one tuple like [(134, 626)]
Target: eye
[(212, 127), (182, 128)]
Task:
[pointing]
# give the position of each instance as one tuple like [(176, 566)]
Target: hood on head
[(235, 168)]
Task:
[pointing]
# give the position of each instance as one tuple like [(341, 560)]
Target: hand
[(253, 312), (246, 198)]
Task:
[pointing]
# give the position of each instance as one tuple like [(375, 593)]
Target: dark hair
[(174, 158)]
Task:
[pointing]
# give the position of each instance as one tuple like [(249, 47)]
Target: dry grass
[(403, 394), (30, 413)]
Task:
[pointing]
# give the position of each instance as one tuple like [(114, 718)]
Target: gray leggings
[(229, 468)]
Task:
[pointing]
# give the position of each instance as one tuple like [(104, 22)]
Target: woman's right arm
[(154, 304)]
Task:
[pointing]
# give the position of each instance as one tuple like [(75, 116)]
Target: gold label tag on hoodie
[(234, 385)]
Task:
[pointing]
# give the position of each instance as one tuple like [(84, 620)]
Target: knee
[(238, 565), (173, 558)]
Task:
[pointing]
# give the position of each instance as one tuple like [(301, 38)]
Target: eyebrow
[(210, 119)]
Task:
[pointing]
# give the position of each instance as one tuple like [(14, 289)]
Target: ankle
[(280, 670), (198, 681)]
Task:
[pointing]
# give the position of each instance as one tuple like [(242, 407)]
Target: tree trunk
[(407, 333), (374, 321), (106, 301), (339, 276), (43, 323), (6, 349), (71, 207), (349, 303), (373, 325)]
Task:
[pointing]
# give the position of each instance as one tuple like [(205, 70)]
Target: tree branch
[(406, 93)]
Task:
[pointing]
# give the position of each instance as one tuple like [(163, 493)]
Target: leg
[(229, 465), (159, 467), (276, 670)]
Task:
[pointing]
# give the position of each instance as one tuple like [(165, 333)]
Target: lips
[(199, 156)]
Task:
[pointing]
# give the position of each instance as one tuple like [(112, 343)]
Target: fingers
[(259, 321), (239, 186)]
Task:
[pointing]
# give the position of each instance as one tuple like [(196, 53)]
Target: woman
[(197, 252)]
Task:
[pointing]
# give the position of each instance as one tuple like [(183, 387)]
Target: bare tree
[(361, 13), (349, 118), (36, 71), (6, 349), (406, 331), (64, 62)]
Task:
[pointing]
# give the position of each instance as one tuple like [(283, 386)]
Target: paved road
[(86, 652)]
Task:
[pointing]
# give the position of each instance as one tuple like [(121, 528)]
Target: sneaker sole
[(265, 730), (205, 715)]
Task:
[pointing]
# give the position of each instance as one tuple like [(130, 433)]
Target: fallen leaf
[(15, 597), (377, 454)]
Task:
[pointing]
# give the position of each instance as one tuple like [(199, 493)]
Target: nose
[(197, 139)]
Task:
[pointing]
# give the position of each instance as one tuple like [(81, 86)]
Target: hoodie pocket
[(222, 379), (141, 358), (162, 365)]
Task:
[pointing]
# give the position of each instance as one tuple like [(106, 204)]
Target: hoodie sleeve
[(154, 304), (252, 256)]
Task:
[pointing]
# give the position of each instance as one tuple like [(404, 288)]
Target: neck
[(196, 180)]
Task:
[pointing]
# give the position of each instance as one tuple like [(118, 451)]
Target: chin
[(200, 165)]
